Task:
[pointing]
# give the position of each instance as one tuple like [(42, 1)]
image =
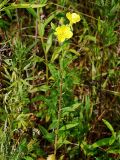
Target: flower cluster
[(64, 32)]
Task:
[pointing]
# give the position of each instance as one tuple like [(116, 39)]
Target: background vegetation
[(59, 101)]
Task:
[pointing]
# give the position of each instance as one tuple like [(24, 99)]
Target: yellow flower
[(63, 32), (73, 17)]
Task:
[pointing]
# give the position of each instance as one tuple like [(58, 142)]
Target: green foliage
[(108, 8), (59, 100)]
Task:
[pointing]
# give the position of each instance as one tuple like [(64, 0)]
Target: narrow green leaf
[(41, 29), (101, 142), (74, 51), (48, 20), (87, 106), (49, 43), (23, 5), (43, 88), (113, 137), (32, 12), (46, 134), (90, 38), (68, 126), (109, 126), (113, 151)]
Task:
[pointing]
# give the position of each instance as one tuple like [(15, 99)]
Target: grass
[(59, 100)]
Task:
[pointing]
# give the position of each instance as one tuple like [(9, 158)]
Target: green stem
[(46, 62), (60, 103)]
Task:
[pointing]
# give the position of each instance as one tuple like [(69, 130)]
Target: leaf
[(41, 29), (34, 59), (54, 124), (68, 126), (43, 88), (23, 5), (109, 127), (113, 151), (87, 149), (74, 51), (53, 26), (53, 71), (93, 71), (99, 25), (43, 130), (23, 145), (101, 142), (115, 8), (30, 145), (46, 134), (113, 137), (56, 54), (32, 12), (90, 38), (106, 141), (48, 20), (62, 141), (88, 107), (67, 110), (49, 43)]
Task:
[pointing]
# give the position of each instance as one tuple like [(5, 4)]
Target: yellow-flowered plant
[(63, 32), (73, 17)]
